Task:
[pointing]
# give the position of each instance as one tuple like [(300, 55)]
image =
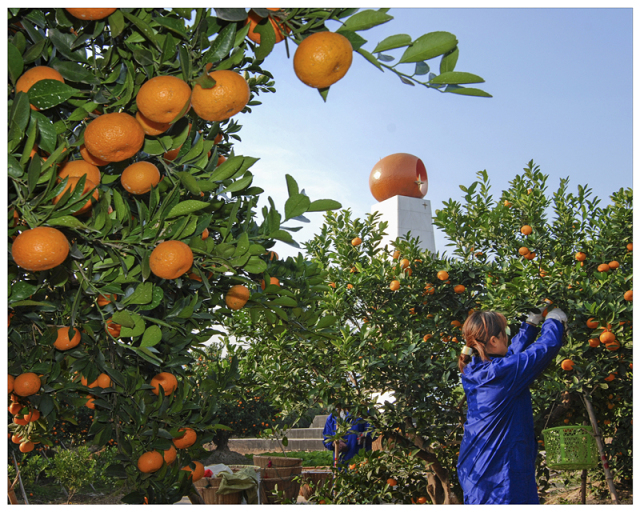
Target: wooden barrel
[(208, 489), (280, 471)]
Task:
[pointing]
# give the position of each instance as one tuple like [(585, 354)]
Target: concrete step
[(319, 421), (305, 433), (254, 445)]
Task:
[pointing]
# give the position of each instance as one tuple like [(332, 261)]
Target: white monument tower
[(399, 182)]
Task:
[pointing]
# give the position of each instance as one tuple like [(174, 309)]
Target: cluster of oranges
[(151, 461)]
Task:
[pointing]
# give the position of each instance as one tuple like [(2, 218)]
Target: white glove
[(558, 314), (535, 318)]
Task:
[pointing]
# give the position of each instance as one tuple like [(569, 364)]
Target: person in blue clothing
[(350, 444), (498, 450)]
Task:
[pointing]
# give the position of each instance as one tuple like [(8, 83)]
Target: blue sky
[(561, 81)]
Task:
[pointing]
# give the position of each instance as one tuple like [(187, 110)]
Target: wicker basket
[(570, 447), (278, 462), (289, 484), (278, 471), (209, 492)]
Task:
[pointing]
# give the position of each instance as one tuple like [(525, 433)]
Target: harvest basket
[(570, 447), (279, 462), (289, 484), (208, 489), (278, 471)]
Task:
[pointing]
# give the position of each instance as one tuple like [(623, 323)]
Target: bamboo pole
[(13, 499), (24, 494), (600, 444)]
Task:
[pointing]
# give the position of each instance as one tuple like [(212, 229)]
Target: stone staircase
[(300, 440)]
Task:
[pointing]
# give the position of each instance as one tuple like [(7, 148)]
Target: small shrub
[(73, 469)]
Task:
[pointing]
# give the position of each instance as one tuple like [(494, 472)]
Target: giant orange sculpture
[(399, 174)]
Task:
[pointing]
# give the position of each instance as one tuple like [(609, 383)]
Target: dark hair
[(477, 330)]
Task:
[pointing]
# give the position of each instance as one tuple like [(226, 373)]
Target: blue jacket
[(498, 450), (357, 430)]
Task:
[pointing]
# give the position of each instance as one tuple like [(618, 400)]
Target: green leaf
[(49, 93), (19, 116), (15, 63), (267, 38), (231, 14), (151, 337), (227, 169), (223, 44), (365, 20), (456, 77), (391, 42), (429, 46), (321, 205), (370, 58), (284, 301), (136, 330), (63, 41), (176, 26), (354, 38), (66, 221), (469, 91), (449, 61), (281, 234), (255, 265), (241, 184), (142, 294), (326, 321), (48, 136), (144, 28), (74, 72), (292, 186), (21, 290), (123, 318), (116, 23), (296, 205), (186, 207)]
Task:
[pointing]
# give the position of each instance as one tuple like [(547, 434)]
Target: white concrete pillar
[(406, 214)]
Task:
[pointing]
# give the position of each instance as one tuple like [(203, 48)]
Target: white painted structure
[(406, 214)]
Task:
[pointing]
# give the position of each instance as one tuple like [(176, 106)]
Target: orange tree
[(130, 216), (390, 322)]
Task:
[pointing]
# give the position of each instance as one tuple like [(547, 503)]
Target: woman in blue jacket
[(498, 450)]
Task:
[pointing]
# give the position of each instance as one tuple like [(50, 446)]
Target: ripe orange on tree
[(392, 482), (32, 76), (168, 382), (103, 300), (140, 177), (610, 377), (62, 340), (530, 256), (89, 185), (422, 499), (225, 99), (272, 280), (613, 345), (580, 256), (150, 127), (278, 27), (396, 255), (592, 323), (429, 289), (185, 440), (394, 285), (526, 230), (113, 328), (32, 415), (443, 275), (197, 473), (459, 288), (322, 59), (594, 342), (16, 439), (614, 264), (15, 408), (629, 247), (90, 403), (26, 446), (163, 98), (150, 462), (567, 365), (205, 235), (356, 241), (26, 384), (523, 251), (171, 259), (40, 248), (90, 159), (607, 337), (103, 381), (170, 454), (89, 14), (114, 137), (79, 168), (628, 295), (404, 263), (237, 297), (603, 267)]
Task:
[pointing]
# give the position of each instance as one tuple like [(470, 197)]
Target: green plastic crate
[(570, 447)]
